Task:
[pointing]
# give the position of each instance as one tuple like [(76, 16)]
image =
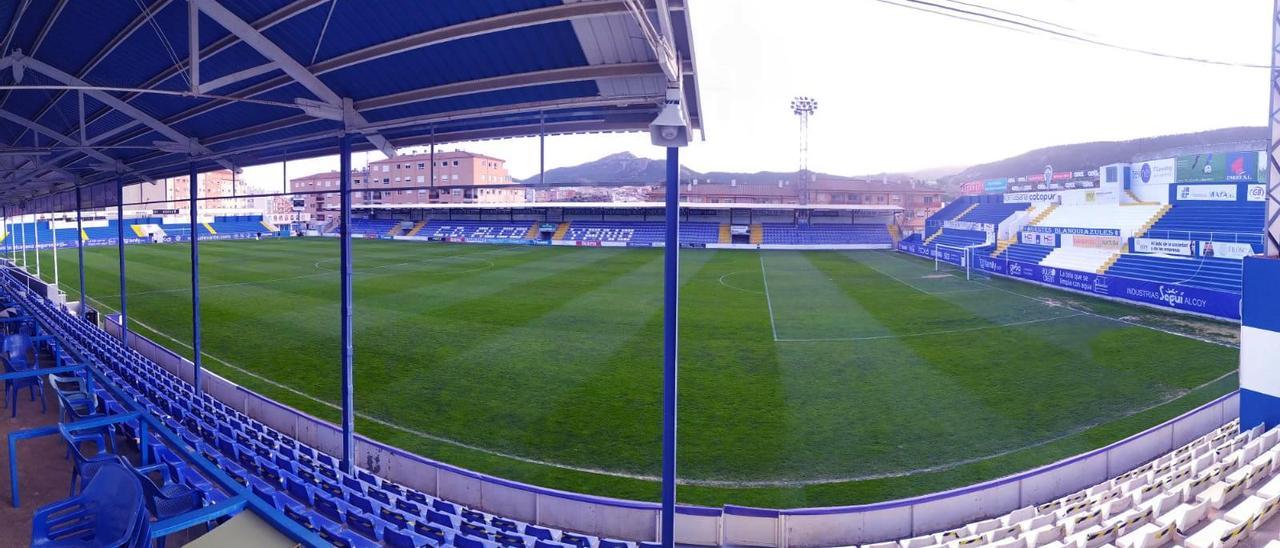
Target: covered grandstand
[(188, 455), (105, 102)]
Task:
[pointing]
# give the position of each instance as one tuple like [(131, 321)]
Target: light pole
[(804, 107)]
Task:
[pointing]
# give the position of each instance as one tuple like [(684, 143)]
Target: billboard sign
[(1256, 193), (1156, 172), (1166, 247), (1207, 193), (1073, 230), (1029, 197), (995, 186), (1226, 250), (1220, 166)]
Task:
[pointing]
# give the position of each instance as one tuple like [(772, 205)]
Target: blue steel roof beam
[(289, 65), (274, 18), (115, 42), (428, 120), (118, 104), (35, 46), (498, 23)]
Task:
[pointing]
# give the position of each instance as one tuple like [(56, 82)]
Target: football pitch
[(807, 378)]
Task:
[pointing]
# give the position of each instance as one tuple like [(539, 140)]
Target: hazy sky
[(901, 90)]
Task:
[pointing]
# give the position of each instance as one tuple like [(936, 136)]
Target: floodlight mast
[(804, 107)]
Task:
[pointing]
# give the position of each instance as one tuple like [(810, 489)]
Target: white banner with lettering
[(1257, 193), (1226, 250), (1218, 193), (1167, 247)]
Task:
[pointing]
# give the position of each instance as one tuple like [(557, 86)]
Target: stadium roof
[(633, 205), (89, 90)]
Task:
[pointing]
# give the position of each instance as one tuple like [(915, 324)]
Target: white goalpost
[(966, 256)]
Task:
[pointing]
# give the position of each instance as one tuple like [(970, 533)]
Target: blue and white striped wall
[(1260, 343)]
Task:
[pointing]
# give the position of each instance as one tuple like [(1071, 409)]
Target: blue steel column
[(124, 293), (670, 347), (348, 391), (195, 280), (84, 299)]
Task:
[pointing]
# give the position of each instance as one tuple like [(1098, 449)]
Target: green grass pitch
[(806, 378)]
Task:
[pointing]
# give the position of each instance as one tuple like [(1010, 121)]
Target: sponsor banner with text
[(1158, 245), (1226, 250), (1039, 238), (1206, 193), (1073, 230), (1092, 242), (1189, 299), (1256, 193)]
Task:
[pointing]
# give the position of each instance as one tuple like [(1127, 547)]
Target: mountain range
[(624, 167)]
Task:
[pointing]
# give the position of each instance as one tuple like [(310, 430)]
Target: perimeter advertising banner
[(1207, 193), (1158, 245), (1172, 296), (1220, 166), (1155, 172), (1072, 230), (1176, 297), (1226, 250)]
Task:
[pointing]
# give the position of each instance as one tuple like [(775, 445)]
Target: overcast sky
[(901, 90)]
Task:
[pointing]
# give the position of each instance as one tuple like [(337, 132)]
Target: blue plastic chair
[(108, 513), (16, 349), (86, 467)]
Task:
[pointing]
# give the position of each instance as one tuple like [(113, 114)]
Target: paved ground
[(43, 474)]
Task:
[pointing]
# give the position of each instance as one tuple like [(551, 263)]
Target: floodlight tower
[(804, 107)]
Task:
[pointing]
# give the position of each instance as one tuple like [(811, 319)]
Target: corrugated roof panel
[(365, 24), (512, 51), (91, 25), (145, 55), (109, 121), (27, 103), (612, 39), (63, 116), (32, 21), (546, 92), (297, 36), (253, 10), (231, 117), (163, 106), (235, 58), (307, 128)]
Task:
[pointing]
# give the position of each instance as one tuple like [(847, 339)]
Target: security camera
[(670, 129)]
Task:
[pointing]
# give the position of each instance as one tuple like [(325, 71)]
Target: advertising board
[(1028, 197), (1256, 193), (1207, 193), (1218, 166), (1226, 250), (1155, 172), (1197, 300), (1072, 230), (1158, 245)]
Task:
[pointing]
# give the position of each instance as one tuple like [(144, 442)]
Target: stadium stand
[(304, 483), (992, 212), (1080, 259), (492, 230), (817, 234), (953, 237), (616, 232), (950, 212), (369, 227), (1029, 253), (241, 224), (1212, 221), (1128, 219), (1207, 272)]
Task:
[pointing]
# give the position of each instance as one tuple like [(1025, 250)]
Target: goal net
[(950, 258)]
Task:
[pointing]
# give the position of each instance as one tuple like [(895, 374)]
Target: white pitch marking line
[(765, 278), (932, 333)]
